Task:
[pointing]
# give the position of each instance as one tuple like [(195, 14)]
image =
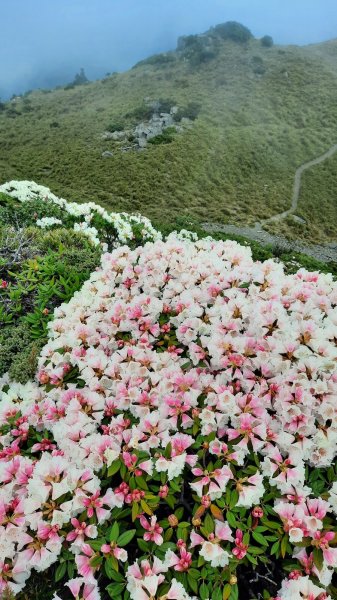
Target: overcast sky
[(45, 42)]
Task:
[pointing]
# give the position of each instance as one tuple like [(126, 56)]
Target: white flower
[(48, 222), (214, 554), (298, 589)]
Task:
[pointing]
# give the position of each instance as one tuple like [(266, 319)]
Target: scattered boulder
[(115, 135), (107, 154), (298, 219)]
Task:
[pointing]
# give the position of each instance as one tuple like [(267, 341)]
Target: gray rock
[(166, 119), (298, 219), (107, 154), (141, 141), (107, 135), (119, 135)]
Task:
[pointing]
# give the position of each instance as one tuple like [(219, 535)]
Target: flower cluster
[(84, 214), (183, 426), (48, 222)]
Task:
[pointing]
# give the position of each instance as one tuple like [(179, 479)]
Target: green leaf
[(170, 500), (192, 583), (168, 534), (114, 533), (97, 544), (108, 567), (252, 559), (271, 524), (231, 519), (96, 561), (60, 571), (182, 534), (201, 561), (256, 550), (217, 594), (203, 592), (194, 573), (275, 548), (318, 558), (126, 537), (258, 537), (209, 524), (143, 545), (115, 575), (70, 569), (146, 507), (135, 511), (141, 483), (234, 593), (284, 544), (114, 467), (226, 591), (114, 589)]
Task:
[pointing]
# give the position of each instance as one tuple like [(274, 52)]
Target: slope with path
[(324, 253)]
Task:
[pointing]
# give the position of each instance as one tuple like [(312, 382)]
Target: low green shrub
[(115, 126), (267, 41), (38, 271), (157, 59), (140, 113), (233, 31), (164, 138), (191, 111), (23, 214), (18, 352)]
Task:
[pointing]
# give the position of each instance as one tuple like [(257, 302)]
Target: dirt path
[(324, 253), (297, 184)]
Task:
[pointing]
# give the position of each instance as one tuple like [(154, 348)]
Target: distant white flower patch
[(48, 222), (124, 224)]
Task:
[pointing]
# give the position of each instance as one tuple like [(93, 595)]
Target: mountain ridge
[(263, 112)]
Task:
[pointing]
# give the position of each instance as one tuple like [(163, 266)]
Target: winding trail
[(297, 184), (322, 252)]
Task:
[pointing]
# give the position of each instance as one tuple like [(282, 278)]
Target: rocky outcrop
[(139, 136)]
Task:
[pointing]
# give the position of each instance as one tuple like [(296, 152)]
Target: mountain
[(241, 118)]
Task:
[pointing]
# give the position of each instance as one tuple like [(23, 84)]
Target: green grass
[(235, 164)]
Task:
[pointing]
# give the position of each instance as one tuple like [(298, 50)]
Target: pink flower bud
[(163, 491), (206, 501), (173, 521), (257, 512)]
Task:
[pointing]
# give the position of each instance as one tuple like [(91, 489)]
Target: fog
[(45, 42)]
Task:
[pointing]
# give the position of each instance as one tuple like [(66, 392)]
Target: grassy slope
[(237, 162)]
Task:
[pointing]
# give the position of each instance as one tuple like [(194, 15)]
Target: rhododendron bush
[(108, 229), (180, 441)]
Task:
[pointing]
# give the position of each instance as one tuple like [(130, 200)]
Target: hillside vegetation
[(261, 112)]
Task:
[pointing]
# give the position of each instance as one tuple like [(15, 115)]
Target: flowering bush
[(109, 229), (180, 441)]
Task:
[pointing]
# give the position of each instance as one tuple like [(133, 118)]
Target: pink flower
[(113, 549), (80, 532), (83, 562), (240, 549), (321, 540), (94, 505), (153, 530), (89, 590), (179, 563)]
